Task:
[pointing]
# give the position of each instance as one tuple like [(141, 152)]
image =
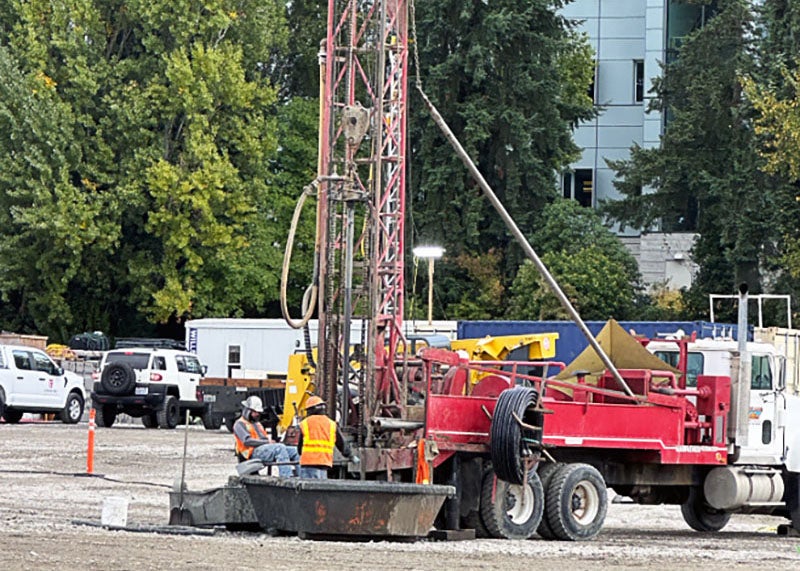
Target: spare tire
[(118, 379), (511, 443)]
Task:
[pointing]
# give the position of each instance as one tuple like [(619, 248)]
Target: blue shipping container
[(571, 340)]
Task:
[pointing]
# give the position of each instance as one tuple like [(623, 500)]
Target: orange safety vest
[(319, 439), (256, 431)]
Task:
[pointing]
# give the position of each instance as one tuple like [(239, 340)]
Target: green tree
[(51, 228), (154, 124), (512, 108), (774, 91), (706, 176), (594, 269)]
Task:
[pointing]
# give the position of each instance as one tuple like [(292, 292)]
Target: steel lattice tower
[(361, 208)]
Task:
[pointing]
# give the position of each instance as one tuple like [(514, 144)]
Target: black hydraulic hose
[(309, 351), (509, 439)]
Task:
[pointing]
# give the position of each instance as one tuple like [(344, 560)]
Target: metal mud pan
[(355, 508)]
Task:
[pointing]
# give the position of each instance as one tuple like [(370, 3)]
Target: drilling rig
[(509, 437), (361, 211)]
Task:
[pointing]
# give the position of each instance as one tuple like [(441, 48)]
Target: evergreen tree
[(706, 176), (511, 79), (774, 89)]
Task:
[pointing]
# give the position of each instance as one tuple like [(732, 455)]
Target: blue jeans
[(313, 473), (269, 453)]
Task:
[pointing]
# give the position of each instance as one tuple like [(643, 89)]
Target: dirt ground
[(45, 490)]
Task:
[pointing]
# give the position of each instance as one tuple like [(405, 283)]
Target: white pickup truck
[(31, 382)]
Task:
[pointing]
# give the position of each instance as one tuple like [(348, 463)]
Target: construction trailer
[(260, 348)]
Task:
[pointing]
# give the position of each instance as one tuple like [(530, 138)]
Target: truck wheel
[(169, 413), (149, 420), (73, 410), (229, 422), (511, 511), (700, 516), (211, 421), (2, 403), (546, 471), (12, 416), (105, 415), (577, 501), (510, 441), (118, 379), (473, 519)]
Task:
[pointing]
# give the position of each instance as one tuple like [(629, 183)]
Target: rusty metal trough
[(227, 505), (353, 508)]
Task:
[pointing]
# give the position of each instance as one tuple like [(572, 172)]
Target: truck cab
[(764, 440), (30, 382)]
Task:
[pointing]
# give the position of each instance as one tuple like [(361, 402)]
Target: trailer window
[(760, 373), (694, 364)]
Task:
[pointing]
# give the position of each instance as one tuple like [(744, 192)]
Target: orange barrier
[(90, 449), (423, 469)]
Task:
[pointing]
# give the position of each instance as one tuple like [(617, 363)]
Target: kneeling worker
[(252, 440), (318, 436)]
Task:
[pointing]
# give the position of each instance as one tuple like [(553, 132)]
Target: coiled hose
[(511, 442)]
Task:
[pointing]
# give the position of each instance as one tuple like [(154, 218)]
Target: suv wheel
[(118, 379), (12, 416), (169, 413), (149, 420), (105, 416), (73, 410)]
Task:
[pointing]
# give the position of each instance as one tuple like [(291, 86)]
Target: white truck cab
[(31, 382), (772, 415)]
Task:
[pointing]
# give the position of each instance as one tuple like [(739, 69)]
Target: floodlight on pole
[(430, 253)]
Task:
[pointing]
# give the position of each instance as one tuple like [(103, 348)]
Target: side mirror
[(781, 362), (59, 371), (204, 368)]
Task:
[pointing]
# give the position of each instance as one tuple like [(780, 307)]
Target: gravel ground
[(45, 490)]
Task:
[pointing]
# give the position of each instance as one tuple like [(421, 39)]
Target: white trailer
[(260, 348)]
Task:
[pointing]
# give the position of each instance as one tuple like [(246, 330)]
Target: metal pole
[(523, 242), (430, 290), (742, 389)]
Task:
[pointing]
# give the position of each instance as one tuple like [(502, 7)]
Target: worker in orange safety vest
[(253, 442), (318, 437)]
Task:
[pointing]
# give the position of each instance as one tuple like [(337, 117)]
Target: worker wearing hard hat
[(252, 441), (318, 437)]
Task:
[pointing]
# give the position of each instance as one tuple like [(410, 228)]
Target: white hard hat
[(253, 403)]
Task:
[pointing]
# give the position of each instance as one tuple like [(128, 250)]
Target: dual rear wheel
[(566, 502), (560, 501)]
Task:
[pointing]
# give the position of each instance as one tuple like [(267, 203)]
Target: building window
[(578, 185), (566, 185), (592, 91), (584, 184), (638, 80)]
